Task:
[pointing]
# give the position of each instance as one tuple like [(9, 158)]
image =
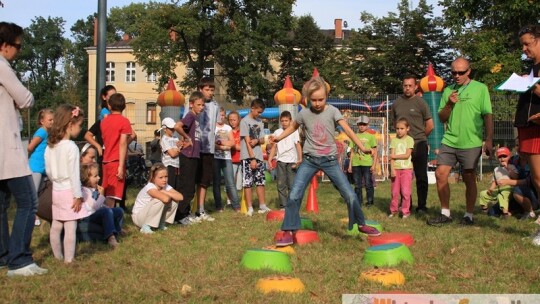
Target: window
[(130, 71), (151, 113), (151, 77), (109, 72), (130, 111)]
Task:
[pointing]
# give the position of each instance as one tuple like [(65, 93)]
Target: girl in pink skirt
[(62, 167)]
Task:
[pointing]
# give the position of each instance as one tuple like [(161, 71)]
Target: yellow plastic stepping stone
[(280, 284), (384, 276), (286, 249)]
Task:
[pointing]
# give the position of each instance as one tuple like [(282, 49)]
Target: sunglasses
[(460, 73), (502, 156), (18, 46), (362, 124)]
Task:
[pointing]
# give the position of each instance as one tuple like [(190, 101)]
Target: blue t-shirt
[(37, 159), (104, 112)]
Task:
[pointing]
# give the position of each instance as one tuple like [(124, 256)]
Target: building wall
[(139, 94)]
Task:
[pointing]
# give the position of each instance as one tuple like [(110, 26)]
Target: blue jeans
[(308, 168), (225, 166), (362, 177), (15, 249), (110, 219)]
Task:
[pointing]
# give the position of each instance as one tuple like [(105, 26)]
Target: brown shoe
[(112, 241)]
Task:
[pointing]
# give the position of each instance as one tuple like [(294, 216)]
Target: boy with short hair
[(252, 135), (207, 121), (363, 165), (171, 147), (289, 157), (117, 133), (190, 130), (497, 192)]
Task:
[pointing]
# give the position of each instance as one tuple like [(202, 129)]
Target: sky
[(324, 12)]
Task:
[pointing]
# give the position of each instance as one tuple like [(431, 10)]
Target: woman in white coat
[(15, 174)]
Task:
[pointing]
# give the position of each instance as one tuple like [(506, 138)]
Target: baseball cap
[(503, 151), (362, 119), (168, 123)]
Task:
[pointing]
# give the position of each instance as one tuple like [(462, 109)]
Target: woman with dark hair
[(105, 93), (527, 119), (15, 174)]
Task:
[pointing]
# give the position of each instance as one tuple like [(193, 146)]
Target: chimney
[(95, 31), (125, 37), (338, 29)]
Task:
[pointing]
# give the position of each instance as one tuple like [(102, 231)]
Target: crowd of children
[(177, 172)]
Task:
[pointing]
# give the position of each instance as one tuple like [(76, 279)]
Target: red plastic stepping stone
[(275, 215), (301, 237), (391, 237)]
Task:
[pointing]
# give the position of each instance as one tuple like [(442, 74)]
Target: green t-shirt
[(400, 146), (464, 128), (360, 158)]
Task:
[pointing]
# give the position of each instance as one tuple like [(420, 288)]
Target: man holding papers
[(527, 118), (465, 108)]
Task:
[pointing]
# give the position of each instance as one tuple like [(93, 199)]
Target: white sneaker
[(229, 202), (250, 212), (194, 219), (37, 222), (27, 271), (145, 229), (185, 222), (263, 209), (536, 239), (206, 217)]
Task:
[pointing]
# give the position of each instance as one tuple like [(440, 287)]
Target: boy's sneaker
[(391, 215), (466, 221), (185, 222), (145, 229), (440, 220), (26, 271), (37, 222), (263, 209), (250, 212), (205, 217), (369, 231), (286, 239)]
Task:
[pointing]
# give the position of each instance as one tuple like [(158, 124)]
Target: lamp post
[(101, 51)]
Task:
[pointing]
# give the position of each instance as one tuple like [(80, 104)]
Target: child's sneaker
[(145, 229), (263, 209), (406, 216), (26, 271), (393, 214), (370, 231), (194, 219), (205, 217), (285, 239), (37, 222), (536, 239), (250, 212), (185, 221)]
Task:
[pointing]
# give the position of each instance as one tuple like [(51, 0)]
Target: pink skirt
[(61, 206)]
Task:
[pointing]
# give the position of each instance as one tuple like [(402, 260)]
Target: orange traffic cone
[(312, 204)]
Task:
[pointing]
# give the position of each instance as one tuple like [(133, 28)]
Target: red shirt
[(112, 127), (235, 154)]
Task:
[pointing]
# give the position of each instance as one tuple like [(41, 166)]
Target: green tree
[(385, 49), (486, 32), (304, 49), (238, 37)]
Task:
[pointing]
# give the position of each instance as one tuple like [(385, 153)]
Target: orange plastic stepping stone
[(275, 215), (391, 237), (301, 237), (385, 276)]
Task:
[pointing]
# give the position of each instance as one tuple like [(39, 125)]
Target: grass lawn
[(494, 256)]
